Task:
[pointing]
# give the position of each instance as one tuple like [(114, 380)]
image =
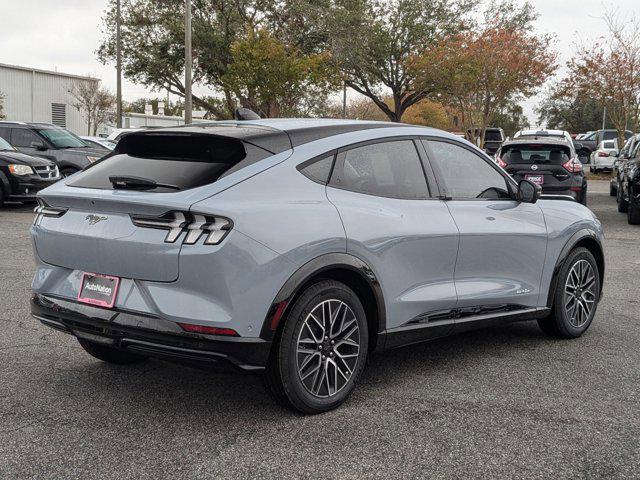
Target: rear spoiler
[(568, 198)]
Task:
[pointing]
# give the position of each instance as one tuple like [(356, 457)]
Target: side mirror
[(528, 192), (38, 145), (578, 146)]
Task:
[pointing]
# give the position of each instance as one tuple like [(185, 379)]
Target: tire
[(623, 205), (293, 377), (67, 172), (1, 197), (612, 190), (565, 321), (633, 211), (109, 354)]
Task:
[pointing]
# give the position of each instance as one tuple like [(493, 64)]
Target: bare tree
[(96, 104)]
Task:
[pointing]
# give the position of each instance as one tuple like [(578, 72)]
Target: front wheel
[(576, 296), (109, 354), (67, 172), (322, 350)]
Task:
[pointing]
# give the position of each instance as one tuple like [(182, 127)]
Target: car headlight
[(21, 170), (93, 159)]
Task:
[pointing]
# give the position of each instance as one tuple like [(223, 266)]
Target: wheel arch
[(345, 268), (583, 238)]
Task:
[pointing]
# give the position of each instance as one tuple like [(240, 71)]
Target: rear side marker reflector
[(194, 224), (188, 327)]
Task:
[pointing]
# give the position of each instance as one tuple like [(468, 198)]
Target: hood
[(9, 157)]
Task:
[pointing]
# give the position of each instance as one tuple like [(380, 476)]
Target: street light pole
[(344, 99), (604, 118), (118, 68), (188, 63)]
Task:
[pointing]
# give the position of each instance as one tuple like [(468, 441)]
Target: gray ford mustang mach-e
[(297, 248)]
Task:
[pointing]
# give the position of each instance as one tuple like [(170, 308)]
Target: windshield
[(61, 138), (492, 136), (536, 153), (4, 145)]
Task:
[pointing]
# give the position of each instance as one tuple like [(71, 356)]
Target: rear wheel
[(575, 298), (322, 349), (583, 196), (612, 190), (109, 354), (1, 197)]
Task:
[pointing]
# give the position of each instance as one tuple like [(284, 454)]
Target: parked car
[(625, 154), (585, 146), (23, 176), (628, 194), (66, 150), (580, 136), (602, 158), (549, 161), (299, 247), (493, 138), (99, 142)]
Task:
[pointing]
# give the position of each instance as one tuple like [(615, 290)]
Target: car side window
[(466, 175), (5, 133), (318, 170), (386, 169), (21, 137)]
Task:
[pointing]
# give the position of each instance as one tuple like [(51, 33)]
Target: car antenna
[(246, 114)]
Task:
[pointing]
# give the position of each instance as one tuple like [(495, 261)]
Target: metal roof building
[(34, 95)]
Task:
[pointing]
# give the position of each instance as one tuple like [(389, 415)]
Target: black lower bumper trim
[(151, 336)]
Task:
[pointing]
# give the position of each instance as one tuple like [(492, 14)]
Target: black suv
[(48, 141), (628, 194), (22, 176), (552, 163)]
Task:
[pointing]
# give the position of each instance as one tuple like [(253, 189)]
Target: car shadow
[(167, 389)]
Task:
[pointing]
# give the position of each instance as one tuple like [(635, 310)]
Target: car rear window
[(177, 160), (609, 144), (535, 153)]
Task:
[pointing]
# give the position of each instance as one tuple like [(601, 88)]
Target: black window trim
[(421, 156), (444, 191), (318, 158)]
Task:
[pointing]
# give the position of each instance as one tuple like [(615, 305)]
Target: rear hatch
[(87, 222), (544, 164)]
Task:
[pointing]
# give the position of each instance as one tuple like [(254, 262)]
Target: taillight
[(189, 327), (194, 224), (603, 154), (573, 166), (45, 210), (502, 163)]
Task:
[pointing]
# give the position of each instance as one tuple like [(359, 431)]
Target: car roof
[(560, 141), (279, 134)]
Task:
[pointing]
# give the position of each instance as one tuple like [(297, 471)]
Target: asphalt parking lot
[(499, 403)]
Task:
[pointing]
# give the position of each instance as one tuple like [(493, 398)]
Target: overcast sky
[(64, 34)]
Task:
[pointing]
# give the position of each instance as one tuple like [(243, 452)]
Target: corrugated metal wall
[(30, 93)]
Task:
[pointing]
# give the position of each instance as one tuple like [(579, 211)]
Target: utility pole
[(344, 99), (118, 68), (604, 118), (188, 63)]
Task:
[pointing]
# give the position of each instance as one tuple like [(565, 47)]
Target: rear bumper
[(151, 336)]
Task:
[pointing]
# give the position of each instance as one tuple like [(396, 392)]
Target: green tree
[(153, 44), (482, 71), (373, 40), (574, 113), (510, 118)]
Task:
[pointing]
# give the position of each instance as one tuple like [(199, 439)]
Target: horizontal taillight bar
[(195, 225)]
